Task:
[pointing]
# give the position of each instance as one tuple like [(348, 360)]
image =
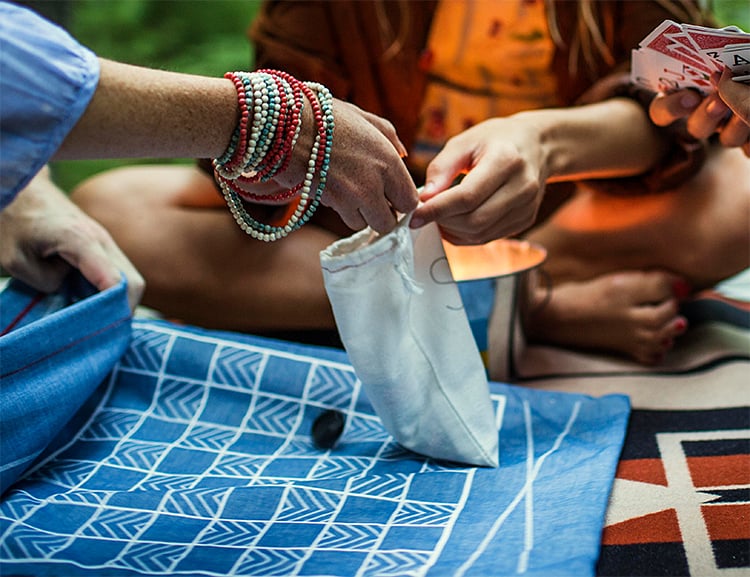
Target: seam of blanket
[(26, 310), (708, 365), (68, 346)]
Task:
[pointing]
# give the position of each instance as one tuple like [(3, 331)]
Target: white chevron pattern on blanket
[(198, 459)]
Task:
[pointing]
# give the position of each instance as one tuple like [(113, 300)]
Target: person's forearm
[(608, 139), (140, 112)]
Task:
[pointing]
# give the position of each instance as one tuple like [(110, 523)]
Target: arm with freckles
[(140, 112)]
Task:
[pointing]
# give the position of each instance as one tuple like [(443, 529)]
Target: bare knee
[(144, 190), (107, 193)]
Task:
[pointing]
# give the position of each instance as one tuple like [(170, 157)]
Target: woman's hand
[(726, 111), (368, 182), (505, 174)]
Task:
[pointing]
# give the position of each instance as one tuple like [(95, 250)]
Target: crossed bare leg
[(620, 265)]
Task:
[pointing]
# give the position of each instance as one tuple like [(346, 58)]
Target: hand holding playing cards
[(701, 75), (726, 111), (736, 95)]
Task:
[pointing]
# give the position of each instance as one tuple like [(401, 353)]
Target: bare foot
[(632, 312)]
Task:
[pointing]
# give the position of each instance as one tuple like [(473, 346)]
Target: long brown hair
[(588, 40)]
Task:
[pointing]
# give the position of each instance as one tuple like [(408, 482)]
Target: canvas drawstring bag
[(402, 323)]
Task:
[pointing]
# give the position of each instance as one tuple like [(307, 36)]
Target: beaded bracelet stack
[(271, 104)]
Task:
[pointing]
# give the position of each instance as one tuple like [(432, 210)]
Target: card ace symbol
[(737, 58)]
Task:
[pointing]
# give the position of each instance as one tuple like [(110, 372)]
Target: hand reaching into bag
[(368, 182)]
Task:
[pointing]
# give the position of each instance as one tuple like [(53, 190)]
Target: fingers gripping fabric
[(403, 326), (56, 350)]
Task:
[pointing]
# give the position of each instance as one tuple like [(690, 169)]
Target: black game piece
[(327, 428)]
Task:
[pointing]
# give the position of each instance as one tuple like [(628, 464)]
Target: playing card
[(712, 42), (684, 48), (661, 73), (737, 58), (677, 56), (661, 39)]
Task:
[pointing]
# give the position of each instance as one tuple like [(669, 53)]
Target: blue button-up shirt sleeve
[(47, 80)]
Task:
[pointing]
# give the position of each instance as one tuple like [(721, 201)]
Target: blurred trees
[(735, 12), (196, 36), (205, 37)]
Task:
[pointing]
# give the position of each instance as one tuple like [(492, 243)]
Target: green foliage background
[(735, 12), (205, 37), (196, 36)]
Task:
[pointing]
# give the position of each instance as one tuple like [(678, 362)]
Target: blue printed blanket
[(195, 457)]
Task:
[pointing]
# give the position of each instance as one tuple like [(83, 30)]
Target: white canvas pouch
[(402, 323)]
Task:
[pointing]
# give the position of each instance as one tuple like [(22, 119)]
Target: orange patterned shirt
[(485, 58)]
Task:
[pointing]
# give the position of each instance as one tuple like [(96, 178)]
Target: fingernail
[(667, 343), (680, 325), (416, 222), (690, 100), (681, 289), (429, 187), (717, 108)]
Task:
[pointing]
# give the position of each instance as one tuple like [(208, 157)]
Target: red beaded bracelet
[(262, 146)]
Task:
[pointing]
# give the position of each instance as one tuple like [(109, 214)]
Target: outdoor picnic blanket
[(52, 358), (680, 504), (194, 457)]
